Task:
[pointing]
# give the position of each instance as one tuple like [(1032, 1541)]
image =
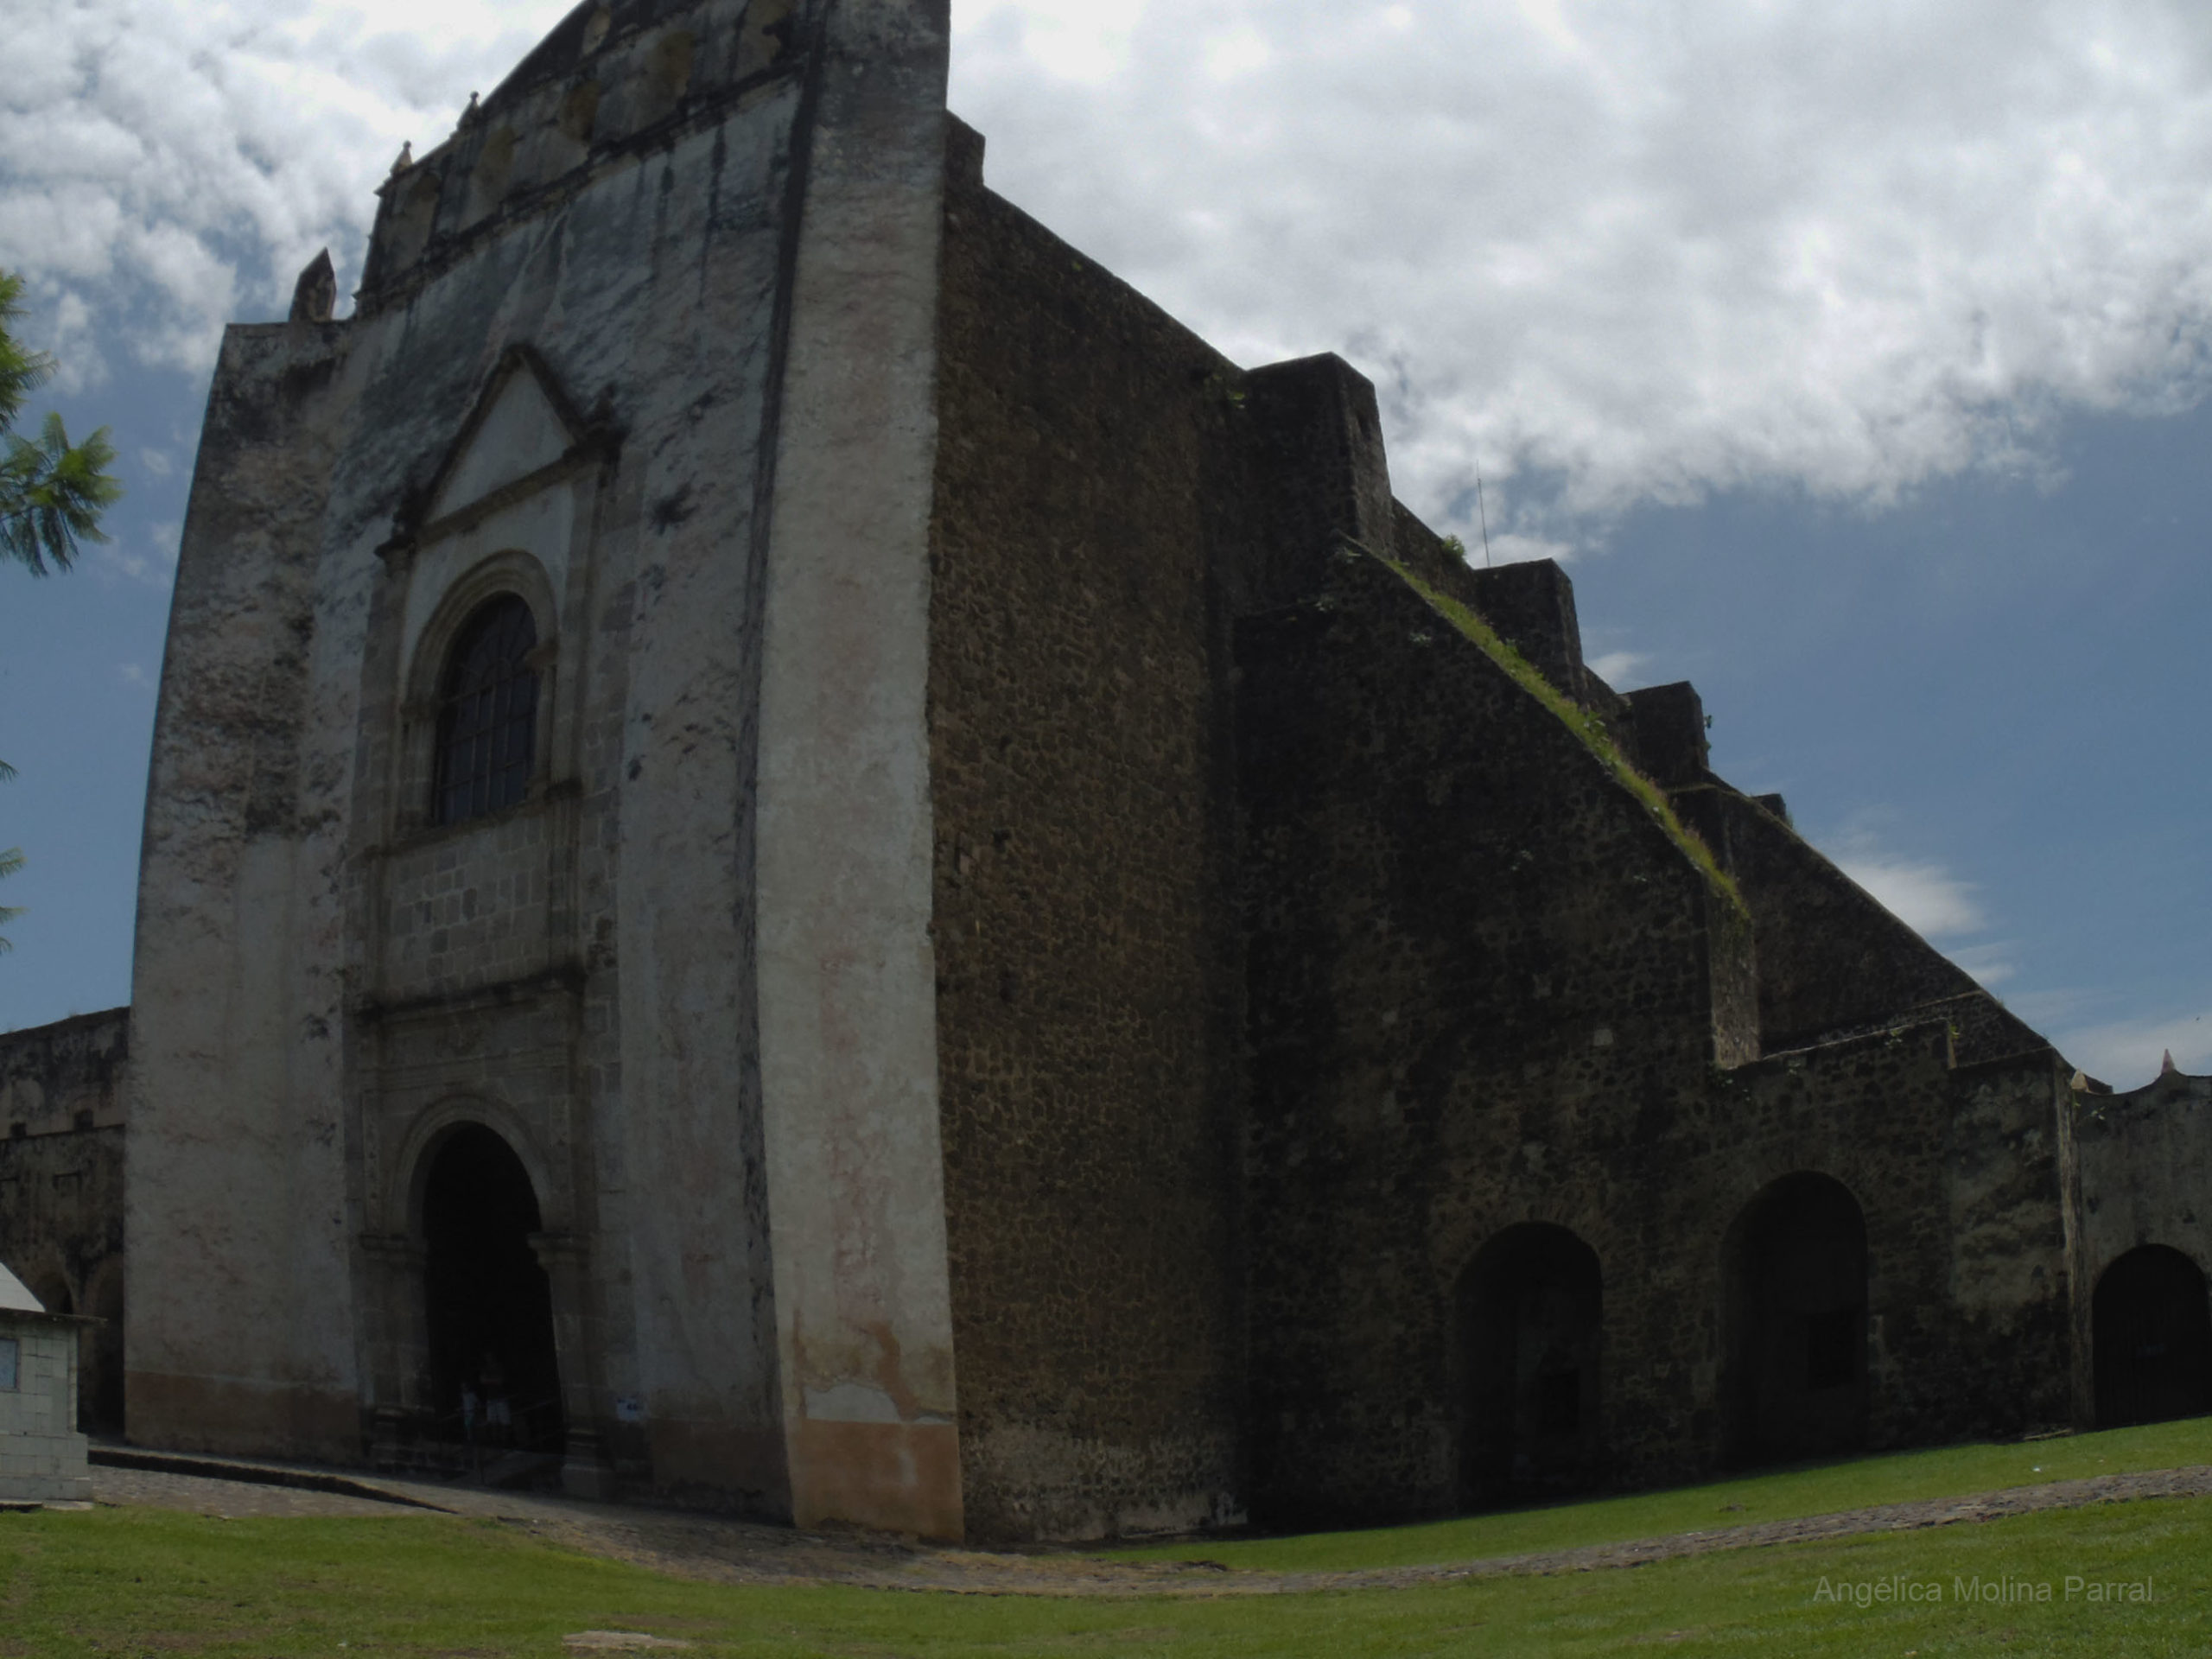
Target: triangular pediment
[(522, 424)]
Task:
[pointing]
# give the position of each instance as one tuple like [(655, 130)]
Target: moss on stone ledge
[(1586, 725)]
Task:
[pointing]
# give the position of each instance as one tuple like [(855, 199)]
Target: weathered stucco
[(848, 1022)]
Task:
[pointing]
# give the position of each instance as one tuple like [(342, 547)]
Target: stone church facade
[(801, 857)]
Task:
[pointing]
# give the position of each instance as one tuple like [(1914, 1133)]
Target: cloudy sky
[(1853, 357)]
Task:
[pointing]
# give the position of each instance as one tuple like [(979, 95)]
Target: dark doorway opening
[(99, 1352), (1528, 1316), (2151, 1333), (1794, 1324), (495, 1376)]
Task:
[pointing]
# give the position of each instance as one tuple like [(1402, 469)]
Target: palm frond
[(52, 494)]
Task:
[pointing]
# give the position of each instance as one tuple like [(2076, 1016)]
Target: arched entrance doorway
[(99, 1374), (1528, 1317), (1794, 1324), (2151, 1331), (488, 1306)]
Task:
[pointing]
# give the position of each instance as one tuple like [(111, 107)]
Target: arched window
[(487, 718)]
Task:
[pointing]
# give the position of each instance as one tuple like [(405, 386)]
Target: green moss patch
[(1586, 725)]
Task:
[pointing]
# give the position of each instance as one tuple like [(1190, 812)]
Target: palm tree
[(52, 492)]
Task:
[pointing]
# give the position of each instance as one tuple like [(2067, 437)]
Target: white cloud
[(1076, 41), (171, 166), (1922, 894), (1991, 964), (1612, 252), (1927, 896), (1636, 252), (1617, 668)]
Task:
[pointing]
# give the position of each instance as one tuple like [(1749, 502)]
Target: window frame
[(489, 703), (411, 788)]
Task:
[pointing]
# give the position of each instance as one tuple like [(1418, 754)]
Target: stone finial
[(406, 158), (2168, 1065), (2079, 1081), (316, 294)]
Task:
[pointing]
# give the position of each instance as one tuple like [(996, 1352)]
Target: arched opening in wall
[(1794, 1324), (52, 1291), (487, 713), (99, 1352), (1528, 1313), (495, 1376), (2151, 1331)]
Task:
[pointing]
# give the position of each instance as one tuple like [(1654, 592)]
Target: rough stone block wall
[(1831, 960), (2144, 1162), (1483, 990), (1087, 996), (1487, 988), (2142, 1175), (467, 909), (2012, 1285), (62, 1186)]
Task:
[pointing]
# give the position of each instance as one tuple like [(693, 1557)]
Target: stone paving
[(731, 1551), (233, 1500)]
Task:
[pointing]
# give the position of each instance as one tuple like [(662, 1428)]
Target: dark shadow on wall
[(2151, 1338), (1793, 1383), (99, 1352), (1528, 1317), (488, 1302)]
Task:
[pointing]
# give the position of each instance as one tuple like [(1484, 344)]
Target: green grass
[(143, 1582), (1897, 1477)]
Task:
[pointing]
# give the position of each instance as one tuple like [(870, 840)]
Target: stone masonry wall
[(2144, 1176), (1831, 960), (1088, 998), (1483, 991), (62, 1186)]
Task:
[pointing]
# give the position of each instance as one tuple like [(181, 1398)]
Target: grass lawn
[(1897, 1477), (149, 1582)]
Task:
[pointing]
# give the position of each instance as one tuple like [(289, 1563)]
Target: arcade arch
[(1529, 1308), (2151, 1336), (1794, 1324)]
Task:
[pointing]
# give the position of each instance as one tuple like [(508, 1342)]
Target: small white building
[(42, 1454)]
